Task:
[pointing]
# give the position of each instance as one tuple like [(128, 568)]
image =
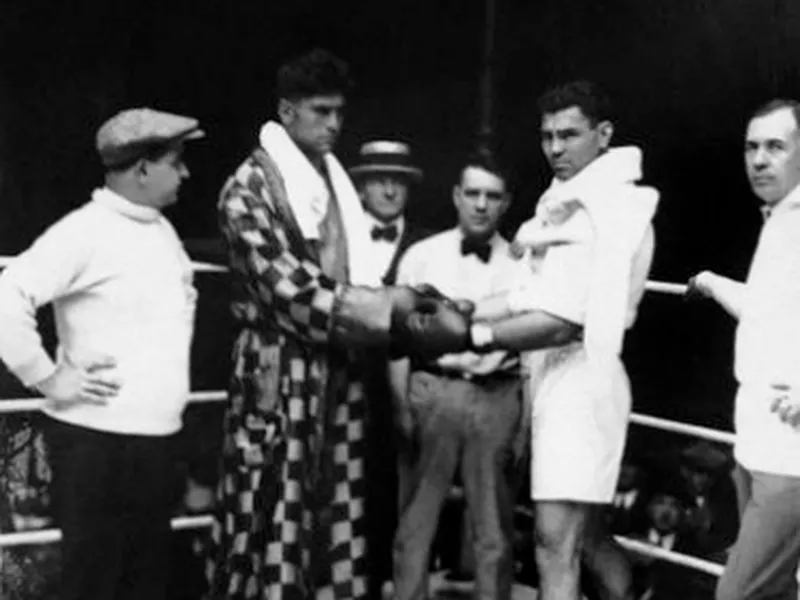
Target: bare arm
[(726, 292), (532, 331)]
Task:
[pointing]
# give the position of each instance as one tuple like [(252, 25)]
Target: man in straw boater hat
[(384, 177), (121, 288), (310, 308), (763, 562)]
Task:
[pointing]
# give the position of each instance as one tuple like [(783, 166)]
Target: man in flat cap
[(309, 307), (121, 288)]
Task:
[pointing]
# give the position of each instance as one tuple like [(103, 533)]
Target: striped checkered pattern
[(291, 517)]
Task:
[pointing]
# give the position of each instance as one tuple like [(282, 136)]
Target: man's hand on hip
[(71, 384)]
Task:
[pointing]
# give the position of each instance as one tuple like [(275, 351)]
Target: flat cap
[(131, 133)]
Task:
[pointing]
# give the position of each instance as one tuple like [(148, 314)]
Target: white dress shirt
[(768, 345), (438, 261)]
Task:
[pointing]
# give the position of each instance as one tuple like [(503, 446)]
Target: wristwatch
[(481, 335)]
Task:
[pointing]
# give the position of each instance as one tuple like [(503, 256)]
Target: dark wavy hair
[(318, 72), (778, 104), (586, 95), (484, 158)]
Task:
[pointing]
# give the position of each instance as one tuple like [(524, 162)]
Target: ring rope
[(662, 287), (16, 405), (47, 536), (676, 558)]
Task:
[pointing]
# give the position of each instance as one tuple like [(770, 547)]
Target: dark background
[(684, 76)]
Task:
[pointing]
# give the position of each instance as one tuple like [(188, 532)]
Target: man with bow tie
[(462, 409), (383, 177)]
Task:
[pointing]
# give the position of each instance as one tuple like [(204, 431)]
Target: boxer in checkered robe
[(290, 524)]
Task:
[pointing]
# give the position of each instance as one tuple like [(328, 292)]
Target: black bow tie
[(482, 250), (388, 233)]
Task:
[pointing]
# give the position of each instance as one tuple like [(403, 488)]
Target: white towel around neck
[(308, 197), (620, 212)]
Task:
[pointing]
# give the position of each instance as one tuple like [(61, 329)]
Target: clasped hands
[(427, 324)]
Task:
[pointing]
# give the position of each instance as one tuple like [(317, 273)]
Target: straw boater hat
[(386, 156)]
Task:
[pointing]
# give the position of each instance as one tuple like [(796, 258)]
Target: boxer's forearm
[(532, 331)]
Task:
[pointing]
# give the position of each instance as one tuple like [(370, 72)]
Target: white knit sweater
[(121, 287)]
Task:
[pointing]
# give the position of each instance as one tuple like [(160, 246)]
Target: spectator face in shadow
[(665, 512), (630, 477), (697, 480), (701, 463)]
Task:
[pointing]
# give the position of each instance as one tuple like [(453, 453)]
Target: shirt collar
[(120, 204), (789, 202), (665, 540)]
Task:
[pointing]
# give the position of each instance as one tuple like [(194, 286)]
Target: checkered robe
[(290, 524)]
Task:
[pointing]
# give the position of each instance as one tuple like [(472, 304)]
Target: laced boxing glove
[(439, 329)]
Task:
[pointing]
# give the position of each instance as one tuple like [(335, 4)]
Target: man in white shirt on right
[(765, 558)]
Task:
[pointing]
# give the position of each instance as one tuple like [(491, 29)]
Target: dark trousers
[(459, 422), (112, 497), (381, 493), (763, 562)]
